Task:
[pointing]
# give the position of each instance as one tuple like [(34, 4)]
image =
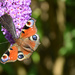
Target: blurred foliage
[(69, 34)]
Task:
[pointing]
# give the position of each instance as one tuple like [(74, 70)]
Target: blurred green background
[(56, 53)]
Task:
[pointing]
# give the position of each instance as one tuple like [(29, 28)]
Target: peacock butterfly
[(25, 45)]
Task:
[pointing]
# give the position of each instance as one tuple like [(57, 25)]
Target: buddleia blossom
[(19, 10)]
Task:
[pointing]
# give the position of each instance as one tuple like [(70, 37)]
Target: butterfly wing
[(27, 46), (31, 43), (7, 22), (10, 55), (23, 54), (29, 29), (30, 40)]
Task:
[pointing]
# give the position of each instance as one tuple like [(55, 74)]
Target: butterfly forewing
[(7, 22), (29, 29)]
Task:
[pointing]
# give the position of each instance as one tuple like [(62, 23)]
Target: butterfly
[(25, 45)]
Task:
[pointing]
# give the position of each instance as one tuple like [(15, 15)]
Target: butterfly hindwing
[(28, 46), (33, 41), (10, 55), (23, 54), (7, 22)]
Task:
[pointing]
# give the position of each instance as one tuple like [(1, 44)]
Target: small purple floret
[(19, 10)]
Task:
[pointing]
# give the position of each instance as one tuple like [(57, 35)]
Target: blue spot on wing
[(20, 56), (4, 60), (34, 37)]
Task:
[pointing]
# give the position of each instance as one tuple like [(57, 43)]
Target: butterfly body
[(25, 45)]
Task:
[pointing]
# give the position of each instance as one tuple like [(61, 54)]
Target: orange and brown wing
[(10, 55), (31, 43), (23, 54), (29, 29), (28, 46)]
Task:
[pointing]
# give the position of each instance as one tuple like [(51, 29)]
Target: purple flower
[(19, 10)]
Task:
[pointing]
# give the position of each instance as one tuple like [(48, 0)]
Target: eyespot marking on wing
[(30, 23), (34, 38), (4, 58), (20, 56), (23, 54)]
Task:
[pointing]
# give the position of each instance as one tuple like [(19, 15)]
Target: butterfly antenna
[(4, 42)]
